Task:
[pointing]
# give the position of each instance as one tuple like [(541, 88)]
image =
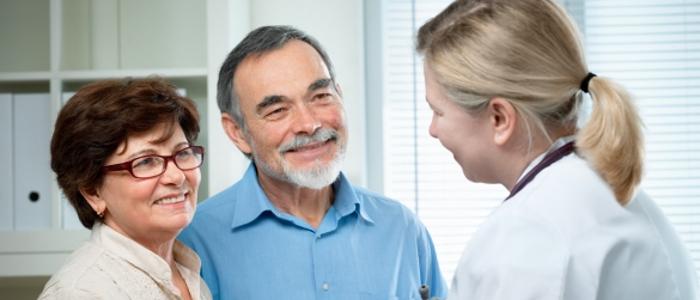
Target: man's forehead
[(292, 54), (293, 68)]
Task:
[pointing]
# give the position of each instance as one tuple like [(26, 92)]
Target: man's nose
[(306, 121)]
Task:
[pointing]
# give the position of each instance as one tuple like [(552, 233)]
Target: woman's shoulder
[(567, 259), (573, 204), (64, 292), (82, 276), (514, 250), (572, 179), (568, 196), (574, 207)]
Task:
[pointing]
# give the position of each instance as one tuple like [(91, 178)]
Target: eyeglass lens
[(148, 166)]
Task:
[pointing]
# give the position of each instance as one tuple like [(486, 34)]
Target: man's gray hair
[(257, 42)]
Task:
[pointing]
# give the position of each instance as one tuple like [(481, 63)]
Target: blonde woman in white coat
[(504, 79)]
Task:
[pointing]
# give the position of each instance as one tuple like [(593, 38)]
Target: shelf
[(30, 85), (30, 264), (24, 76), (90, 75), (37, 253), (41, 241)]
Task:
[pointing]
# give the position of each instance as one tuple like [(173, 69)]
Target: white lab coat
[(565, 237)]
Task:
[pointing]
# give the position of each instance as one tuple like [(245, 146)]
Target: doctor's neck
[(526, 148)]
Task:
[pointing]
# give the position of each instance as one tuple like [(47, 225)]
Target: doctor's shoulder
[(607, 242), (569, 195), (513, 256), (535, 258)]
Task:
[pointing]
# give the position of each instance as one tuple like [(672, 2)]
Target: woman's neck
[(527, 151)]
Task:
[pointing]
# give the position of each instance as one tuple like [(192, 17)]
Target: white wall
[(227, 22), (338, 26)]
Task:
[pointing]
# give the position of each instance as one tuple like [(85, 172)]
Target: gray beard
[(316, 177)]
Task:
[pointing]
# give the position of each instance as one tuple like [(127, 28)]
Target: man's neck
[(308, 204)]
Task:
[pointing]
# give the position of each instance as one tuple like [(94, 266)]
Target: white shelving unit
[(55, 46)]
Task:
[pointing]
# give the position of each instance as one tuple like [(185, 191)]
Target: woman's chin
[(174, 224)]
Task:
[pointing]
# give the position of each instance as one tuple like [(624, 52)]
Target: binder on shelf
[(32, 173), (6, 165)]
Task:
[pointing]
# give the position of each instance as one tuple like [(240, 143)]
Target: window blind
[(652, 47), (418, 170)]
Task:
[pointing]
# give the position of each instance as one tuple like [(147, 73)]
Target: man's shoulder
[(376, 198), (221, 201), (216, 210), (375, 202)]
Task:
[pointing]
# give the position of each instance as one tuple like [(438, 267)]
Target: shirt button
[(325, 286)]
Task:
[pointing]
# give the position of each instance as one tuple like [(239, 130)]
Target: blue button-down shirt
[(366, 247)]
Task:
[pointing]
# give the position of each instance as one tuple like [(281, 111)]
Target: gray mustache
[(321, 135)]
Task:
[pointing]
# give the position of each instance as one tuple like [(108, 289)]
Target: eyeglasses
[(153, 165)]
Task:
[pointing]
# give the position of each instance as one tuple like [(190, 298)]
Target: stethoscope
[(548, 159)]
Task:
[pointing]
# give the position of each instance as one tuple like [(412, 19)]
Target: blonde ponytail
[(611, 140)]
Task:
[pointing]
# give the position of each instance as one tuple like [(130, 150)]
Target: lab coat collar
[(555, 145)]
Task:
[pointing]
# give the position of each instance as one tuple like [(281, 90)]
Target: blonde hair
[(529, 52)]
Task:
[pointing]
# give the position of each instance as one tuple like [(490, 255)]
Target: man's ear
[(503, 118), (93, 198), (235, 133)]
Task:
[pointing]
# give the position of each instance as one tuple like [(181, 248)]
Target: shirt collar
[(253, 202), (347, 201)]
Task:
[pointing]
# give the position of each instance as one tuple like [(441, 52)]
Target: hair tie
[(585, 81)]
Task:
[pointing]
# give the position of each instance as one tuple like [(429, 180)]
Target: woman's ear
[(503, 118), (93, 198), (235, 133)]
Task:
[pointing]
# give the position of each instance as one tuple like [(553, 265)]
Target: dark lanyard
[(548, 159)]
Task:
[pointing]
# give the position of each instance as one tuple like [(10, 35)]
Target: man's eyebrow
[(274, 99), (268, 101), (319, 84)]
